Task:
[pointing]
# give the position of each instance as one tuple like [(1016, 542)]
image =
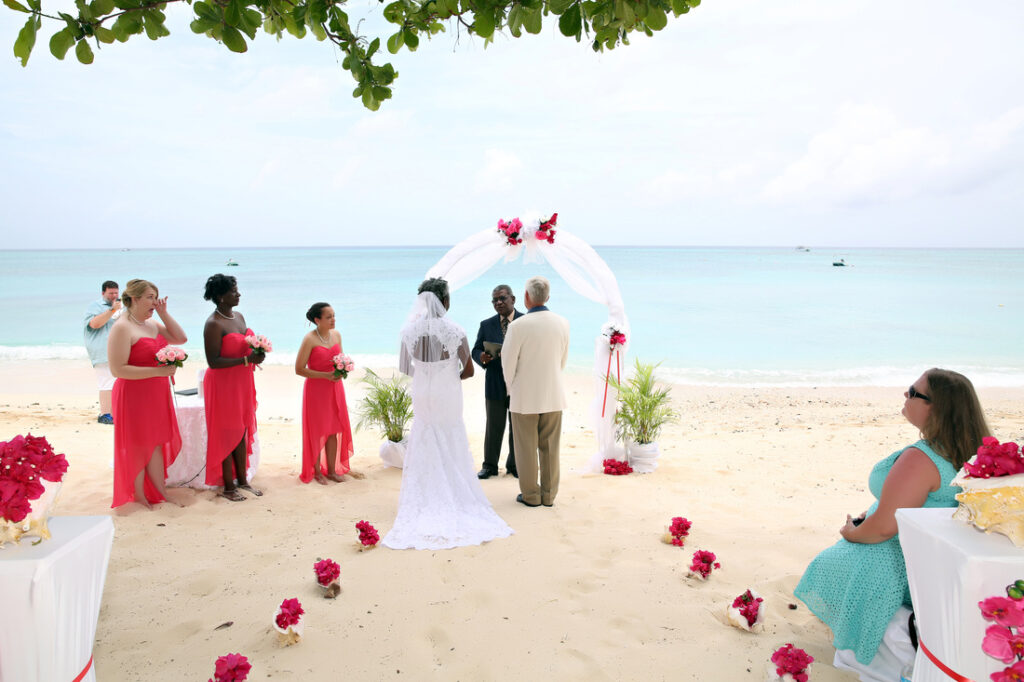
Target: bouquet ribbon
[(952, 674), (607, 376)]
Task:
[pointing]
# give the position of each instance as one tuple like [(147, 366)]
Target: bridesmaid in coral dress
[(146, 438), (326, 433), (229, 391)]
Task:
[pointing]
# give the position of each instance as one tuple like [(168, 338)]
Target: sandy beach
[(583, 590)]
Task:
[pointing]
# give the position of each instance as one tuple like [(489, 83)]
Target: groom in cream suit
[(532, 358)]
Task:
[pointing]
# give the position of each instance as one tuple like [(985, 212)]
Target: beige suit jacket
[(533, 356)]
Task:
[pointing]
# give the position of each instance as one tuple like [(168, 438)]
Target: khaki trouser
[(537, 437)]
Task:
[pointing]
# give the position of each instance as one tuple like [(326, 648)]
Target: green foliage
[(387, 406), (604, 23), (644, 407)]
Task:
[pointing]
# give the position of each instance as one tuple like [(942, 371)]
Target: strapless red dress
[(324, 413), (230, 398), (143, 421)]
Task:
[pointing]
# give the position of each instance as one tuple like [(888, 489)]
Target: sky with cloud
[(742, 123)]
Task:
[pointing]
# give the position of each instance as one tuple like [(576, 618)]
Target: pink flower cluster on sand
[(679, 529), (996, 459), (511, 230), (703, 562), (789, 659), (289, 613), (327, 571), (616, 467), (342, 365), (367, 534), (231, 668), (171, 355), (546, 230), (26, 461), (749, 605), (259, 344)]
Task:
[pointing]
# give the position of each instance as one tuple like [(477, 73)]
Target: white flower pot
[(393, 454), (643, 457)]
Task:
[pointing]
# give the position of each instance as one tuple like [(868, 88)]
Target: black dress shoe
[(485, 473), (520, 500)]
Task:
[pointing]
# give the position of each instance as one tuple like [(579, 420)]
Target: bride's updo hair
[(436, 286), (136, 288), (218, 285), (316, 311)]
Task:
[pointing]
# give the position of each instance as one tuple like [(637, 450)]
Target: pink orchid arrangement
[(25, 462), (327, 572), (702, 564), (749, 606), (1005, 640), (368, 536), (512, 231), (616, 467), (546, 230), (792, 661), (343, 364), (288, 614), (678, 530), (171, 355), (995, 459), (259, 343), (231, 668)]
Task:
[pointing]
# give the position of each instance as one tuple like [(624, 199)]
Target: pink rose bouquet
[(512, 231), (616, 467), (231, 668), (995, 459), (259, 343), (342, 365), (368, 536), (791, 661), (327, 574), (171, 355), (546, 230), (25, 462), (1005, 639), (702, 564)]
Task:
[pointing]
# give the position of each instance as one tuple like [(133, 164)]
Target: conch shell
[(292, 634), (738, 620), (994, 505)]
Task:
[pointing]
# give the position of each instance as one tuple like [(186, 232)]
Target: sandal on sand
[(249, 488), (232, 495)]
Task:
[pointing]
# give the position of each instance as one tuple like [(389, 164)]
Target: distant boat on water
[(802, 248), (840, 263), (232, 262)]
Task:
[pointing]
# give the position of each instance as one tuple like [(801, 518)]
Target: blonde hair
[(955, 424), (539, 290), (136, 288)]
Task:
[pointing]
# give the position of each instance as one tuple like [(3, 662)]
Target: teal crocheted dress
[(855, 588)]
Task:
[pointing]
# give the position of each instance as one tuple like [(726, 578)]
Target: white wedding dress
[(441, 504)]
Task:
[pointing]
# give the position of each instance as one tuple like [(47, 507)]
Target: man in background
[(98, 320)]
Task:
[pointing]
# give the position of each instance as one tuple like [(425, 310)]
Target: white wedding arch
[(575, 261)]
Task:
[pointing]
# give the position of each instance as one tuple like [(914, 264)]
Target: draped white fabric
[(51, 596), (189, 469), (586, 273)]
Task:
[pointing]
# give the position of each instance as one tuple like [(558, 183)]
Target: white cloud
[(501, 171)]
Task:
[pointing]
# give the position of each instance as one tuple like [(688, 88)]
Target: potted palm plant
[(387, 406), (644, 409)]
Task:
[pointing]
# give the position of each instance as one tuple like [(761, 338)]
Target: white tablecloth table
[(951, 567), (50, 596), (189, 469)]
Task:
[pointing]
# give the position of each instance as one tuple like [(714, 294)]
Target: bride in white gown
[(441, 504)]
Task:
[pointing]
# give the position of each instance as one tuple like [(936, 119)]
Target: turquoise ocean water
[(747, 316)]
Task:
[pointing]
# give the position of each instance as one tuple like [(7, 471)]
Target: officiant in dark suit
[(492, 330)]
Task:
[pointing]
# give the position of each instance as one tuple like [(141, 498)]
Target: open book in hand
[(492, 348)]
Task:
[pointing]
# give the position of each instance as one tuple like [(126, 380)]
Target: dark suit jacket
[(494, 379)]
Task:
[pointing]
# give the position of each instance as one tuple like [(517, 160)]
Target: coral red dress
[(230, 398), (324, 413), (143, 421)]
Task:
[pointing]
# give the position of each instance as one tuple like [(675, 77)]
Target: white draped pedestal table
[(189, 469), (50, 597), (951, 567)]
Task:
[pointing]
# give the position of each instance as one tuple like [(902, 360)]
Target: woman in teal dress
[(856, 585)]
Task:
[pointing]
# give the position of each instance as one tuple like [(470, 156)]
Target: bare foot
[(321, 479), (248, 488), (171, 500), (358, 475), (232, 495), (336, 478)]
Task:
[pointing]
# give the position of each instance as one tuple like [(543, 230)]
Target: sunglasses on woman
[(914, 393)]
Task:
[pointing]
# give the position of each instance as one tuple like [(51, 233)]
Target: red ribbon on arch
[(85, 671), (607, 376)]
